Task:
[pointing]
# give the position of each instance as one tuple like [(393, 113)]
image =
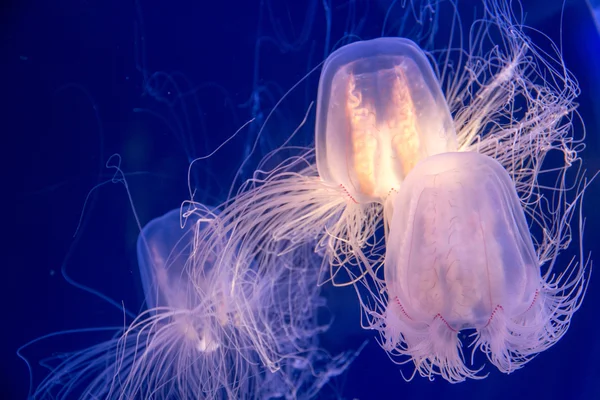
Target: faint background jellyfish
[(59, 141), (190, 342), (177, 347)]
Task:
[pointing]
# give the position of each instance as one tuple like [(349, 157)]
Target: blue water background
[(78, 86)]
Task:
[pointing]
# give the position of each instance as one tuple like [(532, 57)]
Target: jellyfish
[(460, 256), (381, 110), (384, 106), (191, 342)]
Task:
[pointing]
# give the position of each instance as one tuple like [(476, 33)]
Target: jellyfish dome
[(380, 110), (460, 256), (194, 341)]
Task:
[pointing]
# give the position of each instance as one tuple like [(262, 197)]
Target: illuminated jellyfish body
[(460, 256), (190, 343), (381, 111)]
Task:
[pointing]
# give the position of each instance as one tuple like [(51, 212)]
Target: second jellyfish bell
[(460, 256), (381, 110)]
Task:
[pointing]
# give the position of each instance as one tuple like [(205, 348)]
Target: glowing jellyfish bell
[(380, 111), (460, 256)]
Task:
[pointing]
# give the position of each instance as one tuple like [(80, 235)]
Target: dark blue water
[(163, 82)]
